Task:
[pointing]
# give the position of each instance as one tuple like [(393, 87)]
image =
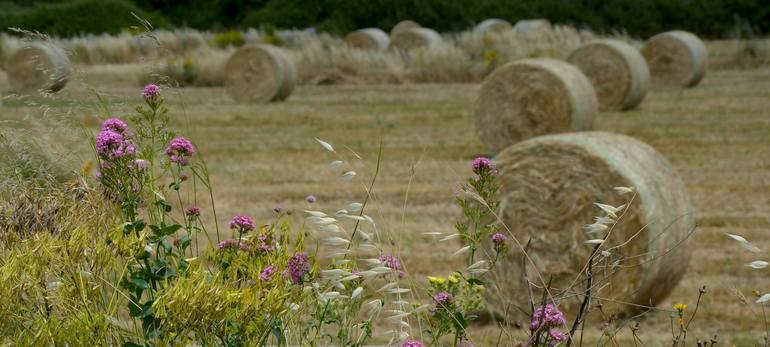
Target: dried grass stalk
[(38, 66), (259, 73), (533, 97), (549, 187), (370, 39), (492, 25), (409, 39), (676, 59), (404, 25), (617, 71)]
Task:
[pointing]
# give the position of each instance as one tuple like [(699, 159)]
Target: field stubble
[(263, 155)]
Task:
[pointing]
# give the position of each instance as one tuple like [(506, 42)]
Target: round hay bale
[(370, 39), (532, 28), (492, 25), (38, 66), (676, 59), (259, 73), (548, 189), (617, 71), (533, 97), (409, 39), (404, 25)]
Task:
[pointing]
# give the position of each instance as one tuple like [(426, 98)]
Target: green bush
[(229, 38), (77, 17)]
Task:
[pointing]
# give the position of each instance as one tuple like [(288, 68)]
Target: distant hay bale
[(533, 97), (409, 39), (532, 28), (259, 73), (404, 25), (38, 66), (548, 189), (617, 71), (370, 39), (492, 25), (676, 59)]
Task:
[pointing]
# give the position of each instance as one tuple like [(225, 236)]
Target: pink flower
[(443, 298), (242, 223), (499, 238), (116, 125), (481, 164), (179, 149), (297, 267), (393, 263), (412, 343), (111, 144), (267, 273), (310, 199), (557, 335), (193, 211), (150, 91), (546, 317)]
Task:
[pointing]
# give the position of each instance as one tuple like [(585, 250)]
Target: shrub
[(78, 17)]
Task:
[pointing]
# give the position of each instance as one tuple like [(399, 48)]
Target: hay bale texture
[(370, 39), (404, 25), (409, 39), (617, 71), (532, 28), (259, 73), (533, 97), (38, 66), (492, 25), (676, 59), (548, 189)]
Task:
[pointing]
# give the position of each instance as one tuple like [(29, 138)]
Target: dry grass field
[(716, 135)]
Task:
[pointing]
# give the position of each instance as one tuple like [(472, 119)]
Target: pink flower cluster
[(114, 140), (150, 91), (548, 318), (233, 244), (179, 150), (267, 273), (412, 343), (242, 223), (443, 298), (193, 211), (297, 267), (481, 164), (393, 263)]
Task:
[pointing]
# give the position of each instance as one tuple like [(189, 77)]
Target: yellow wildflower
[(680, 307)]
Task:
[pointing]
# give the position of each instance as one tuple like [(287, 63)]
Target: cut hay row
[(549, 187), (259, 73), (38, 66), (676, 59), (617, 71), (533, 97), (492, 25), (408, 39), (371, 39)]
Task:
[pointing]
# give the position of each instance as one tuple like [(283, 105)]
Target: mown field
[(262, 155)]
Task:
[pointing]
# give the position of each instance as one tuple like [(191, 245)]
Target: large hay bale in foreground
[(548, 189), (404, 25), (617, 71), (259, 73), (492, 25), (533, 97), (409, 39), (532, 28), (38, 66), (676, 59), (371, 39)]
